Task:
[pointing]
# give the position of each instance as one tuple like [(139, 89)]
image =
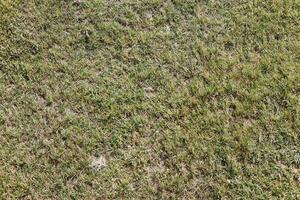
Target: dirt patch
[(98, 163)]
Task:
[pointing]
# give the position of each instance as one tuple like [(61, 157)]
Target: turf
[(176, 99)]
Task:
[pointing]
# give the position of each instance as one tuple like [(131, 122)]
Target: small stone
[(168, 29)]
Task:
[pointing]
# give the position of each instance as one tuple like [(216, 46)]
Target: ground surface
[(158, 99)]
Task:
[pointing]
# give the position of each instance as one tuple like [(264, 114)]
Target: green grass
[(184, 99)]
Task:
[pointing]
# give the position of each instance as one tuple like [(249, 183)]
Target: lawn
[(150, 99)]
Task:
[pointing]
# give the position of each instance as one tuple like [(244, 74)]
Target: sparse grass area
[(150, 99)]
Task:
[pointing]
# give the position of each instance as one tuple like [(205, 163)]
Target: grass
[(181, 99)]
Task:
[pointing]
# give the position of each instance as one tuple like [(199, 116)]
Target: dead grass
[(178, 99)]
